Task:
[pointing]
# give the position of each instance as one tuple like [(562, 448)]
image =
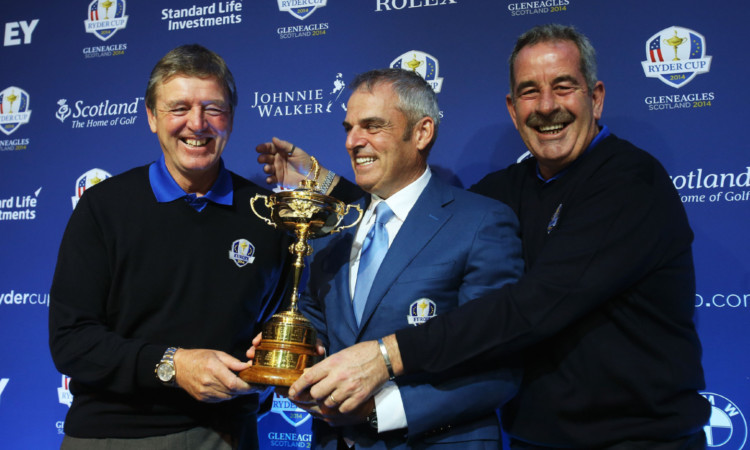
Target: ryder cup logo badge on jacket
[(242, 252), (63, 392), (301, 9), (675, 55), (421, 311), (85, 181), (105, 18), (424, 64), (14, 109), (727, 427)]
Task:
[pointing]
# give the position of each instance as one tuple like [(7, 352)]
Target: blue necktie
[(374, 249)]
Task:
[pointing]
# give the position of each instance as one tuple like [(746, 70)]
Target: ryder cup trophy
[(287, 346)]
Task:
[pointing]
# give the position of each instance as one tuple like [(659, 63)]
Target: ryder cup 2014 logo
[(675, 55), (242, 252), (85, 181), (63, 392), (727, 427), (301, 9), (289, 411), (106, 17), (424, 64), (14, 109), (420, 311)]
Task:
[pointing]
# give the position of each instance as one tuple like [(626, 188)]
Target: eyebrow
[(562, 78), (174, 103), (367, 120)]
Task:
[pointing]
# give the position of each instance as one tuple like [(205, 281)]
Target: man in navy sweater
[(162, 277)]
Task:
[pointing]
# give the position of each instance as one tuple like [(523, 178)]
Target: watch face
[(165, 372)]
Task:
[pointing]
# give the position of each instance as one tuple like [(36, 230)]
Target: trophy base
[(270, 376)]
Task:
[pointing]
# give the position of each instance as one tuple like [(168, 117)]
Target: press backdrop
[(72, 81)]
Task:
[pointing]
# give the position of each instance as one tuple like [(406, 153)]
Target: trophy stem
[(299, 249)]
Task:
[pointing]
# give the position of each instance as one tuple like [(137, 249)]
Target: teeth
[(551, 128), (196, 142), (365, 160)]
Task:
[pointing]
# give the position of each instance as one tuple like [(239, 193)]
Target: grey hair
[(195, 61), (551, 33), (416, 98)]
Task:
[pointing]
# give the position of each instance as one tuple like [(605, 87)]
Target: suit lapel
[(424, 220)]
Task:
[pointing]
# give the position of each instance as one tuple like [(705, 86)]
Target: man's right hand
[(210, 375)]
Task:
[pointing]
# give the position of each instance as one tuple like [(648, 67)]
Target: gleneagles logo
[(105, 113)]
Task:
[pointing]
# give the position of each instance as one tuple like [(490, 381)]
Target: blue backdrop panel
[(73, 79)]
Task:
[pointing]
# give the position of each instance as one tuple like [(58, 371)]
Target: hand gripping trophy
[(287, 346)]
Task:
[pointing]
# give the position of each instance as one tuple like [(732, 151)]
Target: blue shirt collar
[(166, 189), (603, 133)]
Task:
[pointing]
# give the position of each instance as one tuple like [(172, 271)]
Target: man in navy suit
[(446, 246)]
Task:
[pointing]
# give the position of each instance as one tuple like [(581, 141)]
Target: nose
[(354, 138), (196, 119), (547, 102)]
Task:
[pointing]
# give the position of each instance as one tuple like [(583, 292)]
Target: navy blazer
[(453, 247)]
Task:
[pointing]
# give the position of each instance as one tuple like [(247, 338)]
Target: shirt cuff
[(390, 408)]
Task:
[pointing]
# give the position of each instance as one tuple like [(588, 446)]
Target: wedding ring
[(333, 400), (292, 150)]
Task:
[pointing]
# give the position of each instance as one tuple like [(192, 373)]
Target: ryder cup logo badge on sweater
[(421, 311), (727, 427), (106, 17), (675, 55), (422, 63), (14, 109), (242, 252)]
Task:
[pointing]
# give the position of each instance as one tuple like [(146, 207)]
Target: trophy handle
[(359, 217), (268, 205)]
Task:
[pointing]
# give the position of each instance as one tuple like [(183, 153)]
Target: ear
[(511, 109), (598, 99), (151, 119), (424, 130)]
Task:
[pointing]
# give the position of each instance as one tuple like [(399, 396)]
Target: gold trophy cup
[(287, 346)]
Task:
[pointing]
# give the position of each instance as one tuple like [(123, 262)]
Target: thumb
[(233, 363)]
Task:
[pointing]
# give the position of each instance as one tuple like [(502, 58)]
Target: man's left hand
[(332, 415), (345, 380)]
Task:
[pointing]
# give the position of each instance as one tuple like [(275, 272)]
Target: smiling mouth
[(551, 129), (195, 142), (364, 160)]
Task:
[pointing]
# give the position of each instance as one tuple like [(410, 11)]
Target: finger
[(231, 363), (265, 158), (330, 401), (308, 379), (282, 145), (266, 147)]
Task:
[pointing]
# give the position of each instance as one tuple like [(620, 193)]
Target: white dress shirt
[(388, 402)]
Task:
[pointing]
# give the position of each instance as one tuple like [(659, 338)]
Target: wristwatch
[(372, 418), (165, 370)]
